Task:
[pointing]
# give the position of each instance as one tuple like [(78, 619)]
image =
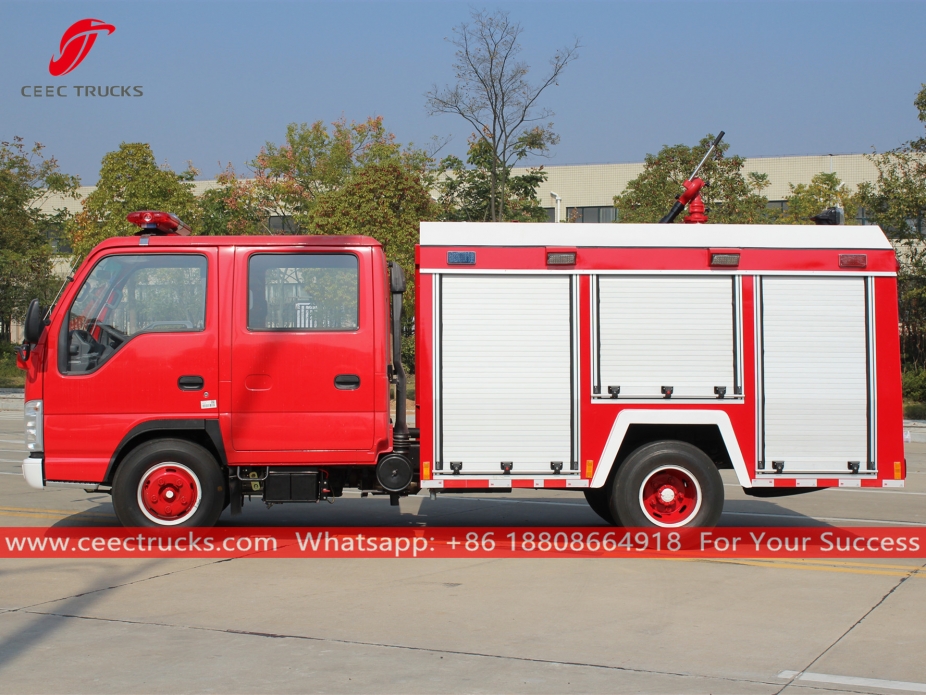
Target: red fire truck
[(630, 362)]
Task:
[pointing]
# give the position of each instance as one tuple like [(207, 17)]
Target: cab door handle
[(347, 382), (190, 383)]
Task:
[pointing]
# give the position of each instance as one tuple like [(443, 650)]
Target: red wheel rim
[(169, 494), (670, 496)]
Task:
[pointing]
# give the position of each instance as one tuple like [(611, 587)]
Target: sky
[(220, 79)]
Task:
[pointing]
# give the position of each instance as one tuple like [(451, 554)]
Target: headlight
[(33, 422)]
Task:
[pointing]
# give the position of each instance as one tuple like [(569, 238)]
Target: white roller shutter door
[(506, 374), (666, 331), (814, 373)]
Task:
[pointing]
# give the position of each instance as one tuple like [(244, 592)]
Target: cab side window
[(127, 295), (303, 292)]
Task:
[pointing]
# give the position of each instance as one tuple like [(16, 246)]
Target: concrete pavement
[(497, 625)]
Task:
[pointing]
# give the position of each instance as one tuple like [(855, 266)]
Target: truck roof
[(471, 234), (259, 240)]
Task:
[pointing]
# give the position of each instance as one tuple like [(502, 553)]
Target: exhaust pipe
[(394, 470), (397, 286)]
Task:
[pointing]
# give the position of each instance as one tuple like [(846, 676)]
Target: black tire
[(667, 484), (599, 499), (184, 466)]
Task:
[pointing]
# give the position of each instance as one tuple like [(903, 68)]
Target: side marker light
[(853, 260), (725, 259)]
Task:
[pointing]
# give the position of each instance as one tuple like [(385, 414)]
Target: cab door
[(302, 350), (138, 342)]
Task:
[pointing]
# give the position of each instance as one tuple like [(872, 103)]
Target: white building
[(587, 190)]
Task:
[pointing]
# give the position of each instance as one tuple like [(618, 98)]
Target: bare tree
[(493, 93)]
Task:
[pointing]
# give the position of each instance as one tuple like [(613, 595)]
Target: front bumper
[(33, 472)]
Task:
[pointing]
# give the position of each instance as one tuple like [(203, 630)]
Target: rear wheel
[(598, 499), (169, 482), (668, 484)]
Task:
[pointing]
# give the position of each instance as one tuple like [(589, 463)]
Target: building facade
[(586, 191)]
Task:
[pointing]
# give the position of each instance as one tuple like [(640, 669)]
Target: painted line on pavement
[(466, 498), (39, 513), (826, 518), (851, 680), (879, 490), (798, 565)]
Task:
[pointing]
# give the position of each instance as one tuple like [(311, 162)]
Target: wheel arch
[(206, 433), (633, 428)]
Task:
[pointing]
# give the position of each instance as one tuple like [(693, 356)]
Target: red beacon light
[(158, 223)]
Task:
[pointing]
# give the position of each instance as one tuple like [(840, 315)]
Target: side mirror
[(396, 278), (35, 323)]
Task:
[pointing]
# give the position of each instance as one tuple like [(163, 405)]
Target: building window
[(282, 225), (594, 214), (58, 240)]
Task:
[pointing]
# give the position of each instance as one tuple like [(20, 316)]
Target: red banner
[(465, 542)]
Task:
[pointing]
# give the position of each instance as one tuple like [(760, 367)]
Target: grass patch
[(914, 410), (409, 388), (11, 376)]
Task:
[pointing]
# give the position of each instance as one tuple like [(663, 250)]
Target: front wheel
[(168, 482), (668, 484)]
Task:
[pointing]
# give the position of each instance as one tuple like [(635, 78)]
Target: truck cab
[(181, 373)]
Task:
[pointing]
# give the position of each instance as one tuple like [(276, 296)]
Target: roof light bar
[(853, 260), (725, 258), (155, 222)]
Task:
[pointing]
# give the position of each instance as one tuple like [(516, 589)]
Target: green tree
[(288, 179), (897, 202), (131, 180), (897, 199), (216, 213), (465, 193), (386, 201), (823, 191), (27, 178), (496, 98), (730, 196)]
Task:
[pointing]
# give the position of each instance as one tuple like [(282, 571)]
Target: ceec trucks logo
[(76, 43)]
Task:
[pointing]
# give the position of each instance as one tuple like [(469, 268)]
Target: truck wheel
[(668, 484), (598, 499), (169, 482)]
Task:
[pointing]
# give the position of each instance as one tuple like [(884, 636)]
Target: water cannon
[(831, 216), (692, 193)]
